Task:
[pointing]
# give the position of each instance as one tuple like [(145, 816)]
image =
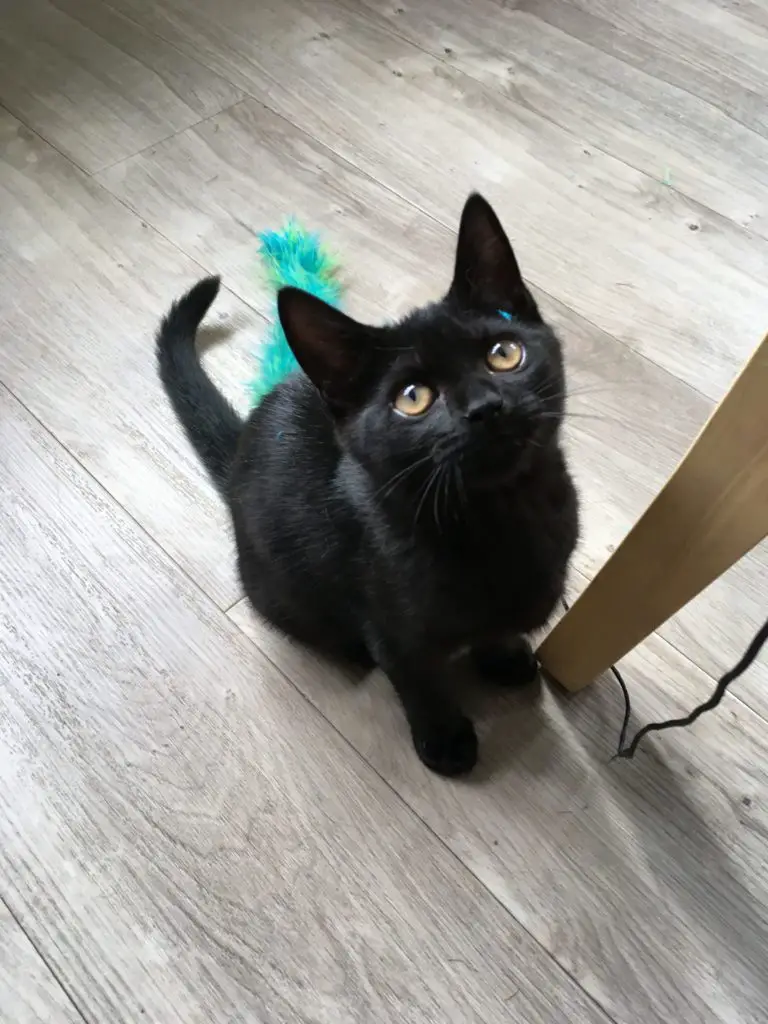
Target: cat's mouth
[(504, 450), (507, 435)]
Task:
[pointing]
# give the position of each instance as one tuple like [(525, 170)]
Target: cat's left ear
[(486, 274), (331, 348)]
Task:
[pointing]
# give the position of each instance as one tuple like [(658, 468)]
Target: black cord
[(627, 711), (723, 683), (628, 750)]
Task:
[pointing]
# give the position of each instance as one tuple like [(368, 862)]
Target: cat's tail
[(209, 421)]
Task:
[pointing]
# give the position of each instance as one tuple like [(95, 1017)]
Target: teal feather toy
[(294, 257), (291, 257)]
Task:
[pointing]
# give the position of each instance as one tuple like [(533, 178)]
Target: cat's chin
[(503, 463), (493, 479)]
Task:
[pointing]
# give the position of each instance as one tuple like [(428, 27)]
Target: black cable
[(723, 683), (620, 680), (627, 710), (628, 750)]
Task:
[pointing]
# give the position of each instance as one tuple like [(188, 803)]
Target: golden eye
[(505, 355), (414, 399)]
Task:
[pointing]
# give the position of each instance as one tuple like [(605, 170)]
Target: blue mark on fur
[(503, 313)]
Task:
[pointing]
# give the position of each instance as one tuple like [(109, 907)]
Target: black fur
[(387, 539), (209, 421)]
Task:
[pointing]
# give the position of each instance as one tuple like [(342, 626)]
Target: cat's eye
[(414, 399), (505, 355)]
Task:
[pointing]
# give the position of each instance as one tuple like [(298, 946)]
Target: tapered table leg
[(712, 510)]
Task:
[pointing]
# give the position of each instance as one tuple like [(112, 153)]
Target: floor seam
[(62, 985)]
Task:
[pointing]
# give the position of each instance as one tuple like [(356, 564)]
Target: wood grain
[(84, 285), (96, 85), (29, 994), (182, 835), (665, 131), (209, 188), (711, 512), (607, 240), (712, 49), (197, 188), (647, 879)]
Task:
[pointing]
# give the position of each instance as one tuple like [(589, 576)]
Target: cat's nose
[(482, 406)]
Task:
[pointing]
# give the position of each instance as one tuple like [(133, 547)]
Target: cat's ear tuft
[(486, 274), (329, 345)]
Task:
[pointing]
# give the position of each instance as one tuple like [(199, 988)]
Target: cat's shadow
[(511, 724), (553, 741), (559, 747), (211, 335)]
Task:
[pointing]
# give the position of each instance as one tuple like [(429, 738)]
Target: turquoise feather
[(291, 257)]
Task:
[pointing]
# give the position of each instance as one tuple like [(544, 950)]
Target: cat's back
[(288, 440), (283, 494), (296, 534)]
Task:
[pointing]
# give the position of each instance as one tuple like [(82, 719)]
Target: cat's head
[(475, 379)]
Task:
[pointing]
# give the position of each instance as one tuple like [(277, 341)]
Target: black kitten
[(405, 497)]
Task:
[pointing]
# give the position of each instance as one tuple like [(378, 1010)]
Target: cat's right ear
[(486, 275), (329, 346)]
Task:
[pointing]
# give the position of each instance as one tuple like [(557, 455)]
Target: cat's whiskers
[(444, 489), (386, 490), (425, 492), (570, 395), (576, 392), (571, 414), (568, 415), (453, 502), (436, 496), (460, 489)]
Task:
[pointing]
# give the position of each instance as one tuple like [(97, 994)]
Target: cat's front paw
[(448, 750), (507, 665)]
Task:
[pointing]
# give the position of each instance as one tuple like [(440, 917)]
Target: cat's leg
[(443, 737), (510, 663)]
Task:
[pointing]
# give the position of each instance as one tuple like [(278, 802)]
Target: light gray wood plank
[(84, 283), (665, 131), (94, 84), (715, 36), (631, 421), (714, 50), (29, 994), (604, 238), (754, 11), (182, 834), (211, 187), (647, 879)]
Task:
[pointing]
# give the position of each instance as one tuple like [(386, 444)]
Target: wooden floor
[(200, 823)]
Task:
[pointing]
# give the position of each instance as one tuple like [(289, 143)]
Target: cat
[(405, 497)]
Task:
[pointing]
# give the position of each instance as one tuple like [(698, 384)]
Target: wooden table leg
[(712, 510)]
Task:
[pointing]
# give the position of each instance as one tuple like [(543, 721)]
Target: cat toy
[(291, 257), (295, 257)]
